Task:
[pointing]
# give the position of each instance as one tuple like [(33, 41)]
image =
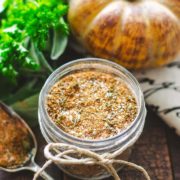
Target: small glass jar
[(122, 141)]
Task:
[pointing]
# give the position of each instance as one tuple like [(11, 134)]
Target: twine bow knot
[(61, 153)]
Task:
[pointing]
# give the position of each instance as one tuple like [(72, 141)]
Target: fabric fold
[(161, 89)]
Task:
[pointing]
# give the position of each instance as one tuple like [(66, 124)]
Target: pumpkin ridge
[(116, 34), (137, 38), (92, 18), (151, 38), (173, 5), (73, 18), (158, 41), (107, 23), (91, 22)]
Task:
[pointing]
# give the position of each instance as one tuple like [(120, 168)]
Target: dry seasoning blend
[(91, 105), (15, 141)]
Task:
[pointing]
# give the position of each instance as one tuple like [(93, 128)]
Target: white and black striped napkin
[(161, 89)]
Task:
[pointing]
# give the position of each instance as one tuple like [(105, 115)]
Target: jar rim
[(57, 130)]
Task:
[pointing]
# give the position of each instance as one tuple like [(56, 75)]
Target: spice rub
[(91, 105), (15, 141)]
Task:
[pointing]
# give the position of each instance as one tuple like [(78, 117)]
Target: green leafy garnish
[(25, 33)]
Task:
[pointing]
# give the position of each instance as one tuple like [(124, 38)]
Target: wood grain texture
[(151, 152), (174, 149)]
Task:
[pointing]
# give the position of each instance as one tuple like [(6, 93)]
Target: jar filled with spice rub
[(95, 105)]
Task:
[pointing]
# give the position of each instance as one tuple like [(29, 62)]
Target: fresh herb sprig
[(25, 28)]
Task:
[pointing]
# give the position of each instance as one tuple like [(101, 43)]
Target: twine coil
[(61, 153)]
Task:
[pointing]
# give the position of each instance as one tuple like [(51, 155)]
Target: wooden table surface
[(158, 150)]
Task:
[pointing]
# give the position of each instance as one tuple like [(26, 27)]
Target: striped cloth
[(161, 89)]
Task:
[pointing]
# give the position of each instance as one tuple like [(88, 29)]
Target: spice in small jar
[(91, 105), (96, 105)]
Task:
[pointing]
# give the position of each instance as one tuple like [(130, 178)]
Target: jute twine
[(61, 153)]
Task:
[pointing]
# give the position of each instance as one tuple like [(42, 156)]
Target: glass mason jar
[(122, 141)]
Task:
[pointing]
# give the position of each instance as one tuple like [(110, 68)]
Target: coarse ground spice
[(91, 105), (15, 141)]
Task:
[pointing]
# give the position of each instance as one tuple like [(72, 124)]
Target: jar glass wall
[(122, 141)]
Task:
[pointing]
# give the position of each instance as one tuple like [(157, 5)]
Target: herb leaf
[(32, 20), (59, 43)]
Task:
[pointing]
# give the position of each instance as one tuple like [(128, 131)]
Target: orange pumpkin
[(135, 33)]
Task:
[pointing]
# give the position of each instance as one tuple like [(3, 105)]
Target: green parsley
[(26, 26)]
